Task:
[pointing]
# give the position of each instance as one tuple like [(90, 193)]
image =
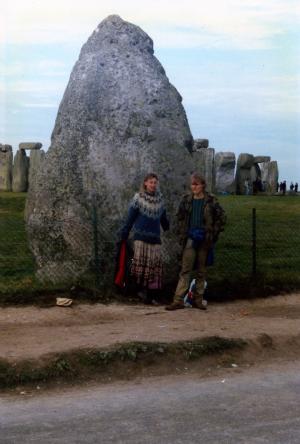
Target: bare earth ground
[(30, 332)]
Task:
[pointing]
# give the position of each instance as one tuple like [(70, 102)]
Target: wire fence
[(258, 244)]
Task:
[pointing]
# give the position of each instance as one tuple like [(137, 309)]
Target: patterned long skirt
[(147, 265)]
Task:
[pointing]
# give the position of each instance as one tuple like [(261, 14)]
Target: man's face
[(197, 187)]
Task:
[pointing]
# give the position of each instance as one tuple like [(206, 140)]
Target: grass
[(113, 362), (278, 248), (277, 245), (16, 262)]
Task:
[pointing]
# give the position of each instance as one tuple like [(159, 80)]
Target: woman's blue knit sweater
[(146, 214)]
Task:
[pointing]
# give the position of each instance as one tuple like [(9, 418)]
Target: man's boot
[(175, 306)]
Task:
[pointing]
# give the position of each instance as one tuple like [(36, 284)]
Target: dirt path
[(30, 332)]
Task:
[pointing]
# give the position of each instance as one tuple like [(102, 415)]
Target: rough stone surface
[(200, 143), (36, 158), (255, 173), (30, 146), (6, 164), (204, 164), (270, 174), (20, 172), (261, 159), (245, 160), (225, 166), (119, 119), (244, 164)]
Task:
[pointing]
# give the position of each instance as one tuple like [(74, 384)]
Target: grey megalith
[(270, 174), (6, 165), (119, 119), (20, 172), (204, 163), (225, 166), (244, 164)]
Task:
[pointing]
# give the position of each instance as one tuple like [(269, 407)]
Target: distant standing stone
[(243, 175), (225, 166), (6, 163), (204, 164), (20, 172), (270, 174)]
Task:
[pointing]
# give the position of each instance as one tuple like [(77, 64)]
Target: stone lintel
[(261, 159), (30, 146), (200, 143), (5, 148)]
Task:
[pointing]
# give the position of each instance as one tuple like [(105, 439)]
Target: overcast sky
[(236, 64)]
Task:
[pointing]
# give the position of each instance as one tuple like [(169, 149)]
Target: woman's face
[(151, 185), (197, 187)]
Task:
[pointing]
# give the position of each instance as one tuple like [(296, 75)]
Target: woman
[(146, 214), (200, 219)]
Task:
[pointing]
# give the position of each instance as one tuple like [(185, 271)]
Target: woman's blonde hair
[(147, 177)]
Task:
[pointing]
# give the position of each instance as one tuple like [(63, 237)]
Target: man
[(284, 187), (200, 219)]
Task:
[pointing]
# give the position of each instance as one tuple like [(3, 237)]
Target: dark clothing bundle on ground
[(123, 264)]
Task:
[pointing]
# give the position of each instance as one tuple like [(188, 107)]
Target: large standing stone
[(20, 172), (204, 163), (6, 162), (225, 166), (243, 175), (269, 175), (119, 119)]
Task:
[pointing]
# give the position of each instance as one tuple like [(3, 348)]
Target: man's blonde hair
[(198, 178)]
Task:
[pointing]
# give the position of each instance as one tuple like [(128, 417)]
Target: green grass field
[(277, 243), (278, 246)]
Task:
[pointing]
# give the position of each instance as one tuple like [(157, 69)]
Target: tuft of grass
[(82, 363)]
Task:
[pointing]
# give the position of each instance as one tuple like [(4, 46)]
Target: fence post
[(253, 241), (96, 241)]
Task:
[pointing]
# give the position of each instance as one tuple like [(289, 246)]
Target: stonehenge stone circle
[(119, 119), (6, 165)]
